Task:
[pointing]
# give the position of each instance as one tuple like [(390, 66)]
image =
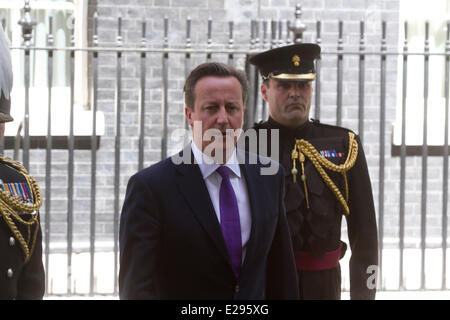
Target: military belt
[(305, 261)]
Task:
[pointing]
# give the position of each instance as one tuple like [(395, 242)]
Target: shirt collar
[(208, 166)]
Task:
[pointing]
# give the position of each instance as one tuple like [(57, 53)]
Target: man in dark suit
[(21, 269), (326, 178), (206, 224)]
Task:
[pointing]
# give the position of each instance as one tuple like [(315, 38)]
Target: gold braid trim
[(303, 148), (10, 208)]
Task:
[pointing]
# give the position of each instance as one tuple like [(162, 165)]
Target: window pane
[(62, 13), (417, 13)]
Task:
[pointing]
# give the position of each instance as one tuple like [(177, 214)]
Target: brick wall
[(329, 12)]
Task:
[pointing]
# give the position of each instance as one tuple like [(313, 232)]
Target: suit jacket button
[(236, 288), (10, 273), (12, 241)]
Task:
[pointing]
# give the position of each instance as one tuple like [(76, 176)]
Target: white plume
[(6, 75)]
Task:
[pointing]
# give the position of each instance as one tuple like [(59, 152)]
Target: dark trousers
[(320, 285)]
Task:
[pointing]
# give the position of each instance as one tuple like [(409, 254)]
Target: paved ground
[(382, 295), (408, 295), (104, 276)]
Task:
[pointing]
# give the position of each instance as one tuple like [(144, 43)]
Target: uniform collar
[(300, 131)]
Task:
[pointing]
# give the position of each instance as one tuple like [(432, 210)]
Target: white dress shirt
[(213, 180)]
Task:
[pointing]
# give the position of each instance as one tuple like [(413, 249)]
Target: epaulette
[(331, 126), (16, 165)]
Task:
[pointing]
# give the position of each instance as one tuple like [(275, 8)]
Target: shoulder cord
[(10, 206), (303, 148)]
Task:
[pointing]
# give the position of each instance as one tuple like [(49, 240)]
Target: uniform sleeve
[(362, 231), (31, 282), (282, 281), (139, 242)]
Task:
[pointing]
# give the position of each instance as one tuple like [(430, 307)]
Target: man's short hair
[(216, 69)]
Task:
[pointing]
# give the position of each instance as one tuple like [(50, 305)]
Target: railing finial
[(298, 27), (27, 22)]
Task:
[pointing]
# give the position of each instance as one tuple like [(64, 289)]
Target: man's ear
[(188, 114), (263, 89)]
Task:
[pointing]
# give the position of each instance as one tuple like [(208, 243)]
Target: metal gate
[(330, 105)]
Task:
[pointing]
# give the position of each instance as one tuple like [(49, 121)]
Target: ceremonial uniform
[(316, 231), (21, 269), (326, 178)]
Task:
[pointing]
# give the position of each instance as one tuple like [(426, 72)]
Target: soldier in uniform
[(326, 178), (21, 269)]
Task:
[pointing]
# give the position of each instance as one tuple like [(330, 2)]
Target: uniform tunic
[(19, 280), (317, 230)]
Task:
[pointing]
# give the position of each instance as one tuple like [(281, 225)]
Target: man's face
[(218, 105), (289, 101)]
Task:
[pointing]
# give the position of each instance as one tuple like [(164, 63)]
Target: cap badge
[(296, 60)]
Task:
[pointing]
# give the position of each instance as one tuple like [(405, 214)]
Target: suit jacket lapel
[(252, 179), (193, 188)]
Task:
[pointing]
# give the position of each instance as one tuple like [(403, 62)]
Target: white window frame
[(39, 94), (416, 13)]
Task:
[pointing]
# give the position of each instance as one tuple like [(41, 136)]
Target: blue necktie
[(229, 220)]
